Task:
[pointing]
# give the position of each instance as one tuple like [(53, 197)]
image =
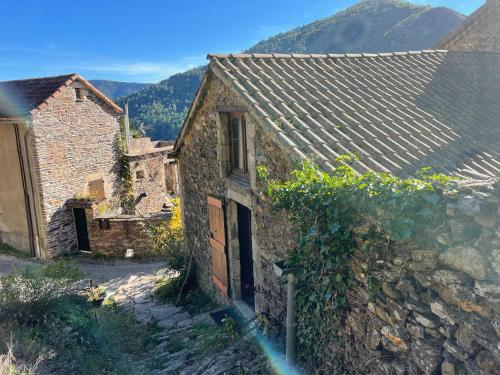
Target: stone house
[(154, 174), (398, 112), (58, 139), (59, 146)]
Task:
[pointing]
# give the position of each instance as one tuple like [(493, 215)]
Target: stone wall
[(200, 175), (75, 142), (435, 305), (113, 236), (148, 175)]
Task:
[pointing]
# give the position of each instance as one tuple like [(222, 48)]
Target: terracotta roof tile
[(397, 111)]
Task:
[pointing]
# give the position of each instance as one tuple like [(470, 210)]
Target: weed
[(63, 269), (9, 250)]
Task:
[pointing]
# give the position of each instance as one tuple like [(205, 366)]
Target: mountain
[(115, 89), (163, 106), (369, 26)]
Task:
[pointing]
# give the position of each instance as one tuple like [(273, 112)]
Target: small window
[(78, 94), (237, 143), (104, 224), (139, 175)]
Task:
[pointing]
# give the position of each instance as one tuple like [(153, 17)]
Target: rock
[(451, 347), (397, 335), (406, 286), (426, 356), (456, 288), (416, 330), (427, 320), (487, 362), (447, 368), (441, 310), (469, 205), (464, 229), (466, 259), (487, 290), (495, 260), (374, 339), (423, 260), (465, 338)]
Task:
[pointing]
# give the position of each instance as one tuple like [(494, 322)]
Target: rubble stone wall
[(123, 233), (199, 176), (148, 175), (75, 142), (435, 306)]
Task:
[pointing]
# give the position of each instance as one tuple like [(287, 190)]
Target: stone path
[(186, 345)]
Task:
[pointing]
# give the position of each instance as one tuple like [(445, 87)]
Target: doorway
[(246, 256), (82, 234)]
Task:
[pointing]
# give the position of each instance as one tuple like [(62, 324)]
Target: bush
[(168, 240), (27, 294), (193, 299), (41, 317)]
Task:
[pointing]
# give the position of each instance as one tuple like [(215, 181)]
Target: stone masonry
[(113, 236), (436, 305), (75, 142), (200, 175)]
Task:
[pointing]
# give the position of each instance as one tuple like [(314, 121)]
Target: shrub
[(168, 240), (27, 294), (64, 270)]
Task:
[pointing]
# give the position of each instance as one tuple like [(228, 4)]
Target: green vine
[(126, 184), (336, 214)]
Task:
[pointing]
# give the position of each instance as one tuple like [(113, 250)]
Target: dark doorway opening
[(82, 235), (246, 257)]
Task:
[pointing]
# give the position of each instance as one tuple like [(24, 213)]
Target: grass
[(6, 249), (44, 325)]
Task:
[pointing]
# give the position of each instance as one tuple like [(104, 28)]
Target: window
[(237, 143), (78, 94)]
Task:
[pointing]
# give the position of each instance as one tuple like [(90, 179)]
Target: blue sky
[(146, 40)]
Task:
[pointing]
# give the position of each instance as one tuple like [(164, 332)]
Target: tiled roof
[(477, 31), (398, 112), (21, 97)]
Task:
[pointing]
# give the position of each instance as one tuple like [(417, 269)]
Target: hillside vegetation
[(370, 26), (116, 89)]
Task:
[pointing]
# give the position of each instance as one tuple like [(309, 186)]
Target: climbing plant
[(335, 214), (126, 184)]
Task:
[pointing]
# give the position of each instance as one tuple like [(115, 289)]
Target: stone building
[(58, 139), (398, 112), (154, 174), (60, 170)]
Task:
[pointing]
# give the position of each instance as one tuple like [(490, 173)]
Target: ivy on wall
[(335, 214), (126, 184)]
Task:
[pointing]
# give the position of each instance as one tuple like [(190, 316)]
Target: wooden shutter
[(218, 244)]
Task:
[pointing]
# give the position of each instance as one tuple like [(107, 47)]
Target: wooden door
[(218, 244)]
